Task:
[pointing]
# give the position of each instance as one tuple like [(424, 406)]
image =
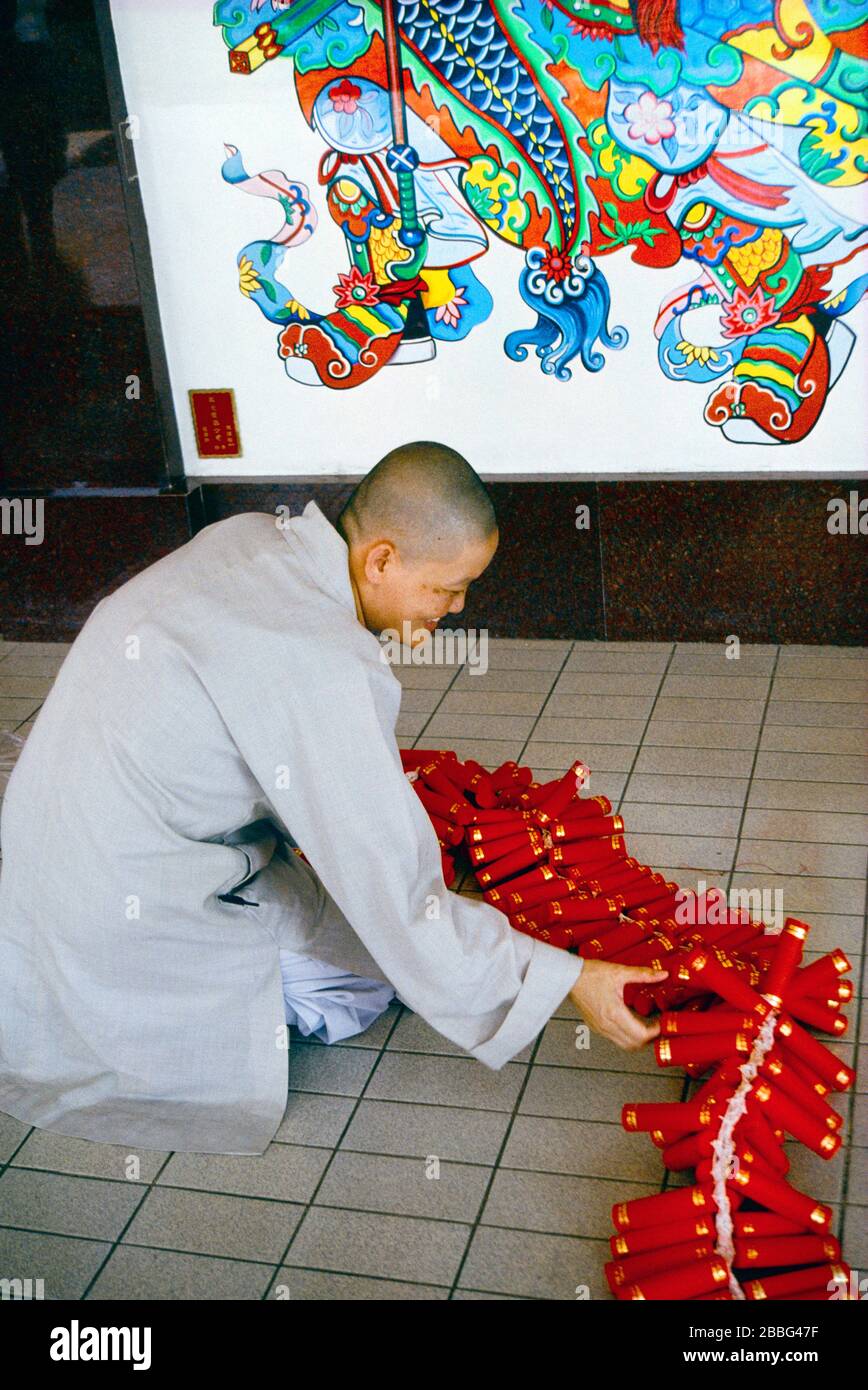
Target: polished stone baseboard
[(648, 561)]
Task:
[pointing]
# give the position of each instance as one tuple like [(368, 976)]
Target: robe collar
[(324, 553)]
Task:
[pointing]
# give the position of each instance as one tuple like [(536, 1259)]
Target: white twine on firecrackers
[(412, 776), (724, 1165)]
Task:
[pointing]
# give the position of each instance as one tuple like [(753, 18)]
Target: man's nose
[(457, 604)]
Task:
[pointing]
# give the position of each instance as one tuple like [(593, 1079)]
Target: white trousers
[(326, 1002)]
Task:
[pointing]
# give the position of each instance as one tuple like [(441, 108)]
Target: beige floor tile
[(815, 860), (521, 682), (674, 819), (420, 701), (490, 752), (808, 796), (801, 896), (818, 827), (800, 664), (666, 733), (424, 677), (599, 757), (14, 709), (55, 649), (719, 665), (609, 662), (707, 763), (492, 702), (781, 738), (683, 708), (672, 789), (694, 687), (589, 731), (820, 767), (747, 648), (829, 714), (411, 725), (577, 706), (603, 683), (483, 726), (24, 687), (524, 658), (696, 853), (838, 690)]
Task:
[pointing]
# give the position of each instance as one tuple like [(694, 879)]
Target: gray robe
[(221, 706)]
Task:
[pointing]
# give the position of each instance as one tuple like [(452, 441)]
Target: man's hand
[(598, 994)]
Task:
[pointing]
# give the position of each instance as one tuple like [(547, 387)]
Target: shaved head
[(419, 529), (425, 499)]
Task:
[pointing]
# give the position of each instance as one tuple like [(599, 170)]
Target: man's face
[(393, 592)]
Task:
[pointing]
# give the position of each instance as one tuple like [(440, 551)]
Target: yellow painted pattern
[(439, 288), (769, 371), (508, 214), (629, 173), (363, 316), (751, 260), (384, 248), (768, 45), (797, 105)]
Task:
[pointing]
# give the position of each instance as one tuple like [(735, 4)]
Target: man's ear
[(377, 561)]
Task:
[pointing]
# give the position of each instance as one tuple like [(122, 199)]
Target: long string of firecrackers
[(735, 1002)]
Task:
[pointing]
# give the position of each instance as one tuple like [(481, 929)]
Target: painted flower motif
[(248, 280), (298, 309), (450, 313), (555, 265), (356, 288), (745, 313), (650, 119), (345, 96), (700, 355)]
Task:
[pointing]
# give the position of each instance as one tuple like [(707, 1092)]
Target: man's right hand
[(598, 994)]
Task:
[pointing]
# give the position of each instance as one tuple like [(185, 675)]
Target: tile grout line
[(750, 780), (664, 673), (308, 1205), (125, 1227), (550, 692), (278, 1266), (664, 1181), (495, 1166), (850, 1118), (536, 1043), (415, 743)]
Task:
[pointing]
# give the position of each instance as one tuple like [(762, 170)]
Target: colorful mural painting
[(708, 134)]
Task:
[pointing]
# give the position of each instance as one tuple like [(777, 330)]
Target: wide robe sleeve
[(330, 766)]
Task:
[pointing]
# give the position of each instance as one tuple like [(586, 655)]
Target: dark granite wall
[(688, 561)]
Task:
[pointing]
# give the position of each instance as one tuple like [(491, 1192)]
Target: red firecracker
[(733, 1012)]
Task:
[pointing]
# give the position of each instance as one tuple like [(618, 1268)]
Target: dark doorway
[(79, 330)]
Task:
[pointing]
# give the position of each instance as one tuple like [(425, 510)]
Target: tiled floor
[(406, 1170)]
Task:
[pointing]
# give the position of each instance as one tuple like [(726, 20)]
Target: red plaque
[(215, 423)]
